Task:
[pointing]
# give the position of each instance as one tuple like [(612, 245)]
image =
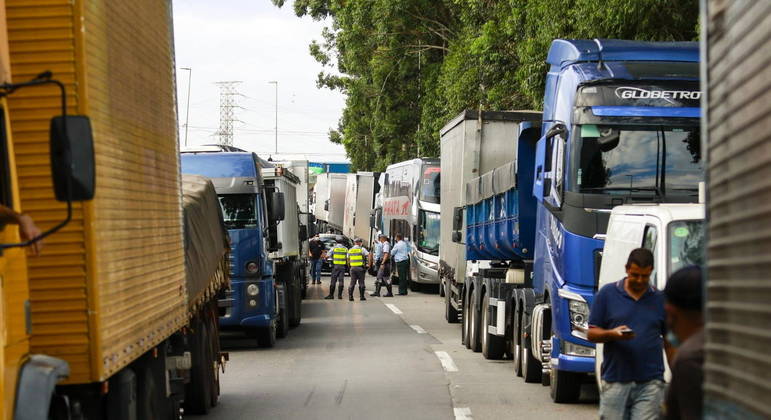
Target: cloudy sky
[(254, 42)]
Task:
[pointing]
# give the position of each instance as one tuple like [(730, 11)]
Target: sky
[(254, 42)]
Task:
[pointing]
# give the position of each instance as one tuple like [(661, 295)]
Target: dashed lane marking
[(393, 308), (462, 413), (418, 329), (446, 361)]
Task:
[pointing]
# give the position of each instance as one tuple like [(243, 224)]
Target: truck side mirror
[(277, 206), (326, 205), (303, 232), (72, 158), (457, 218), (546, 187), (456, 236), (372, 221)]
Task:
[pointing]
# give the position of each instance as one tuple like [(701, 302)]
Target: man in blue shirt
[(383, 262), (401, 256), (628, 316)]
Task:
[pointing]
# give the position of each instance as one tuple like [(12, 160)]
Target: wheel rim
[(524, 360), (517, 357)]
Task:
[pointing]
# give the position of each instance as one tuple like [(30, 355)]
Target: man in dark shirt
[(628, 316), (316, 251), (686, 325)]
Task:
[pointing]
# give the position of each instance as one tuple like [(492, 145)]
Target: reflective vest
[(338, 255), (356, 257)]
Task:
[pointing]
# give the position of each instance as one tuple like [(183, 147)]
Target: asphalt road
[(367, 360)]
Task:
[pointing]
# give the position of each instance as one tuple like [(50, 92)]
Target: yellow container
[(110, 285)]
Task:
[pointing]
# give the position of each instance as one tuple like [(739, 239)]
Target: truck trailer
[(329, 201), (411, 208), (110, 296), (360, 192)]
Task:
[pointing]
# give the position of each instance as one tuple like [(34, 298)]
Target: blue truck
[(620, 126), (264, 299)]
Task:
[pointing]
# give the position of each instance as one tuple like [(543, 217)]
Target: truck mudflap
[(37, 381)]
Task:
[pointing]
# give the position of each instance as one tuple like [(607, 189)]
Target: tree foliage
[(408, 66)]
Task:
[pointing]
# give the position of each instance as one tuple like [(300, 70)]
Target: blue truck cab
[(253, 300), (620, 126)]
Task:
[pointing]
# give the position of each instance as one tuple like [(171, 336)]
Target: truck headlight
[(252, 290), (251, 267), (579, 314)]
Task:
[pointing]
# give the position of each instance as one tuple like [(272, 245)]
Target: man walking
[(339, 261), (316, 251), (356, 257), (401, 256), (685, 322), (384, 267), (628, 316)]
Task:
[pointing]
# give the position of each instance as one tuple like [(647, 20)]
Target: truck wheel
[(516, 347), (198, 391), (465, 332), (282, 328), (151, 399), (565, 386), (474, 328), (266, 336), (214, 346), (532, 368), (493, 346), (450, 313), (441, 289)]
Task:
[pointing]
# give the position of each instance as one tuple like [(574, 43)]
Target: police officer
[(384, 267), (356, 257), (339, 261)]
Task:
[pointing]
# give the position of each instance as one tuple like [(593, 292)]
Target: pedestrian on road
[(628, 316), (339, 262), (356, 257), (685, 323), (384, 269), (401, 256), (316, 253)]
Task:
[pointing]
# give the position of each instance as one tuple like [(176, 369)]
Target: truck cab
[(675, 233), (620, 126), (253, 299)]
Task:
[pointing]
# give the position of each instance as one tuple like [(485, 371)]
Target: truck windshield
[(428, 232), (686, 244), (239, 210), (617, 159), (429, 184)]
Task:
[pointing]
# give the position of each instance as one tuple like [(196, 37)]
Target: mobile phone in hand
[(627, 331)]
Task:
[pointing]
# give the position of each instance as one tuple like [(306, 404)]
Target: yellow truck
[(126, 293)]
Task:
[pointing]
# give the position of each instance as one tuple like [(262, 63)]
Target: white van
[(673, 232)]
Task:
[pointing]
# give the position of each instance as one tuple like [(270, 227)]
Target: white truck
[(299, 168), (329, 201), (673, 232), (360, 191)]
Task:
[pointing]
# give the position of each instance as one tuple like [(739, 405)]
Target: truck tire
[(152, 402), (493, 346), (465, 332), (450, 313), (266, 336), (516, 347), (297, 298), (532, 368), (214, 345), (199, 390), (565, 386), (442, 292), (282, 323), (474, 327)]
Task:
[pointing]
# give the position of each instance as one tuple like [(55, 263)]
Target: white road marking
[(462, 413), (446, 361), (393, 308), (418, 329)]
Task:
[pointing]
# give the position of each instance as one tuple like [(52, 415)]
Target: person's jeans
[(631, 400), (316, 270)]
